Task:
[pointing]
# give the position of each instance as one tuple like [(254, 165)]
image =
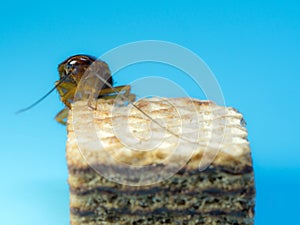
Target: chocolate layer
[(233, 170), (211, 191), (159, 212)]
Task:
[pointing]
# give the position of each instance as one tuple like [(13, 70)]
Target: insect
[(71, 71)]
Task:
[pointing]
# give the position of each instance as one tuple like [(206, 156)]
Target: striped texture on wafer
[(222, 193)]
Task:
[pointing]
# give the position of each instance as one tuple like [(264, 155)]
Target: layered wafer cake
[(191, 166)]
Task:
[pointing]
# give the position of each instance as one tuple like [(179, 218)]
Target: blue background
[(253, 48)]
